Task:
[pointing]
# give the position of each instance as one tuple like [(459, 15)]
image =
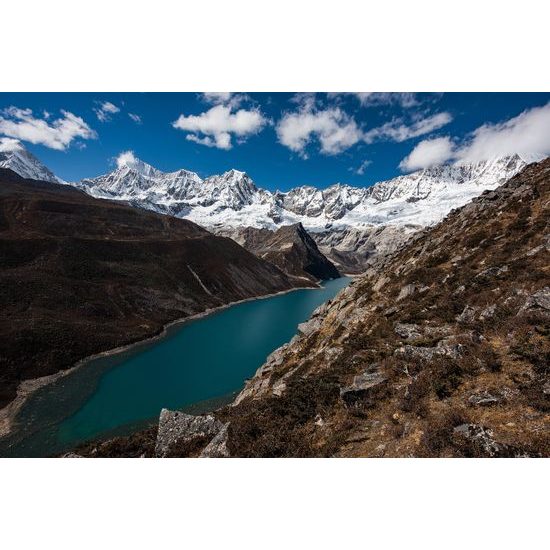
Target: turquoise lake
[(198, 366)]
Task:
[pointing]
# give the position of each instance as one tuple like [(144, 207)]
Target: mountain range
[(351, 225), (232, 199)]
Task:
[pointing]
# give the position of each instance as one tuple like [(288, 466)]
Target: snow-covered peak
[(14, 156)]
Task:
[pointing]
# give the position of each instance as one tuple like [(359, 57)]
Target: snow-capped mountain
[(233, 200), (14, 156)]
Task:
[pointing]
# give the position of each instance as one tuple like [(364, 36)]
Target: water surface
[(197, 366)]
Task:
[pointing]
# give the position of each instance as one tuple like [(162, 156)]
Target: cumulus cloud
[(396, 130), (370, 99), (9, 145), (217, 97), (105, 110), (333, 128), (527, 135), (215, 127), (363, 167), (126, 158), (429, 152), (57, 134), (135, 118)]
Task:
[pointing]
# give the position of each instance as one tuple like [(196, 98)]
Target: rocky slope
[(14, 156), (80, 276), (353, 250), (441, 349), (290, 247)]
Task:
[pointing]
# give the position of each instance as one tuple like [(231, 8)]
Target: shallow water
[(197, 366)]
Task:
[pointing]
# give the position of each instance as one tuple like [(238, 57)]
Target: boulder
[(177, 428), (483, 399), (467, 316), (480, 437), (538, 301), (361, 391), (217, 448), (406, 291), (407, 331)]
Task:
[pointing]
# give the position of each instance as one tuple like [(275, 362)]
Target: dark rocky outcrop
[(291, 248), (81, 276)]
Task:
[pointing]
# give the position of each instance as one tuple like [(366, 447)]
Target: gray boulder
[(361, 391), (178, 428), (217, 448)]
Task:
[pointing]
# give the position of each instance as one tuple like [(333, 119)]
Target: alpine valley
[(437, 348)]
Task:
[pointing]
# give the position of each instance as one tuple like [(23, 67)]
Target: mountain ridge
[(232, 199)]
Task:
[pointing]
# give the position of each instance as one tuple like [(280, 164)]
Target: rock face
[(457, 366), (290, 248), (14, 156), (81, 276), (178, 431)]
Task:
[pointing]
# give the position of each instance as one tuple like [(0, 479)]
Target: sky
[(282, 140)]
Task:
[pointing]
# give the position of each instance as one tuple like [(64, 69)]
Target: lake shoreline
[(26, 388)]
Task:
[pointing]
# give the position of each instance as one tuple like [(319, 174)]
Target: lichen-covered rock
[(407, 330), (360, 392), (483, 399), (467, 316), (217, 448), (539, 300), (177, 428), (480, 437), (406, 291)]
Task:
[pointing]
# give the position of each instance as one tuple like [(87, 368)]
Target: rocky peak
[(14, 156)]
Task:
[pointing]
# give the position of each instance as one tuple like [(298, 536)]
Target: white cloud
[(429, 152), (369, 99), (135, 118), (215, 127), (527, 134), (9, 145), (126, 158), (396, 130), (363, 167), (105, 110), (217, 97), (229, 99), (57, 134), (335, 130)]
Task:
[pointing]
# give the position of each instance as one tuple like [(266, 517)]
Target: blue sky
[(280, 139)]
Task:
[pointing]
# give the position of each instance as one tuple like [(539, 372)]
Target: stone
[(481, 437), (483, 399), (407, 331), (467, 316), (309, 326), (538, 300), (176, 427), (444, 348), (361, 391), (217, 448), (488, 312), (406, 291)]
